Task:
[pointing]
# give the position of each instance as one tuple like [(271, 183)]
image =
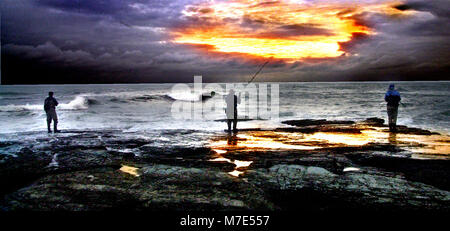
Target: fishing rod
[(260, 69)]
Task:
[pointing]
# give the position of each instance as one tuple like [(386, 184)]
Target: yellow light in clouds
[(253, 27), (278, 48)]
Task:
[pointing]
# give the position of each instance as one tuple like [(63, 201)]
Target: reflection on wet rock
[(312, 164)]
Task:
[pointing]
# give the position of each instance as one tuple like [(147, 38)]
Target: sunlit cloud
[(224, 40), (290, 30)]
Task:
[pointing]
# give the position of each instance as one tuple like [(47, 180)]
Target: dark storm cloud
[(97, 7), (67, 41), (128, 12), (402, 7), (357, 38), (437, 7), (50, 37)]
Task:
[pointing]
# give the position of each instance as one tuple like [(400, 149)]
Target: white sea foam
[(184, 96), (135, 107), (79, 103), (54, 163), (25, 107)]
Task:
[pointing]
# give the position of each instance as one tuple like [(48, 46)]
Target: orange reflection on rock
[(259, 140), (272, 140), (130, 170), (238, 163), (340, 138), (426, 145), (235, 173)]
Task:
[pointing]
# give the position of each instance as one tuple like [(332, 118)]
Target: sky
[(140, 41)]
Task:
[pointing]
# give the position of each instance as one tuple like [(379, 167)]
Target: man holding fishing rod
[(392, 97), (232, 100), (50, 104)]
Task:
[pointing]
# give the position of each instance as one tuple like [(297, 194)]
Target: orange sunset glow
[(288, 30)]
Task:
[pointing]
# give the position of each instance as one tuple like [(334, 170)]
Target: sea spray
[(79, 103)]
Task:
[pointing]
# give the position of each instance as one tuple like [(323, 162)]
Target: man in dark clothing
[(392, 98), (232, 101), (50, 104)]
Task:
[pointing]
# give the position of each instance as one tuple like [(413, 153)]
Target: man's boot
[(55, 129), (48, 128)]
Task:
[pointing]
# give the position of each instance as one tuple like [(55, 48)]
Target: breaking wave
[(145, 98), (187, 96), (79, 103), (25, 107), (169, 97)]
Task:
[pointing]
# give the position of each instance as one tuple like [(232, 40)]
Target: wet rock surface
[(298, 187), (309, 122), (158, 187), (280, 169)]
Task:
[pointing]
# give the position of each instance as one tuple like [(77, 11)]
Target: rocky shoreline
[(309, 165)]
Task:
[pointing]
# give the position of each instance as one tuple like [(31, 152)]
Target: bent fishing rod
[(260, 69)]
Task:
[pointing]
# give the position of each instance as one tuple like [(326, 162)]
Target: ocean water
[(147, 107)]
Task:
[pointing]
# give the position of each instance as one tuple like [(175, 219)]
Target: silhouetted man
[(392, 98), (50, 104), (232, 101)]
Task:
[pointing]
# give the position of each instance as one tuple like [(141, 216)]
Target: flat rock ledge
[(157, 188), (310, 188), (83, 171)]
